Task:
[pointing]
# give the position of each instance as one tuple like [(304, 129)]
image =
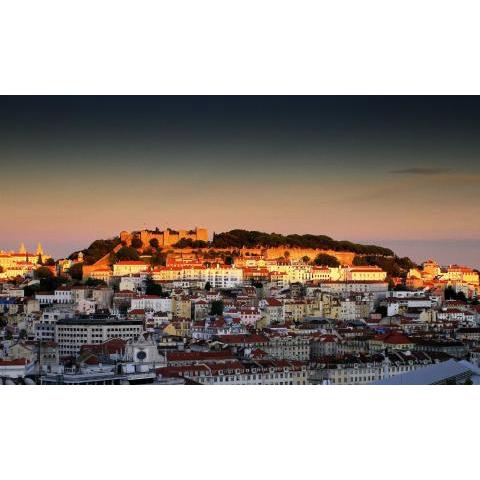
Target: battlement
[(166, 237)]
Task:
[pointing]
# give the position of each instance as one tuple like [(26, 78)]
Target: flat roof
[(432, 374), (98, 321)]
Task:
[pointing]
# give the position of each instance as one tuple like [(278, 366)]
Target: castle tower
[(22, 248), (125, 236), (39, 249), (202, 234)]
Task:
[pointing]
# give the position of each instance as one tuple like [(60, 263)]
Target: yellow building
[(459, 273), (182, 307), (129, 267), (101, 273), (365, 274), (178, 328), (21, 263)]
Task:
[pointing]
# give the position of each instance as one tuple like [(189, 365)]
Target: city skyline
[(390, 170), (232, 196), (446, 252)]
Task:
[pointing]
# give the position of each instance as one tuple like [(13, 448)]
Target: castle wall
[(345, 258), (165, 238)]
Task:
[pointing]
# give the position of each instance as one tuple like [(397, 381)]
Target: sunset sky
[(403, 171)]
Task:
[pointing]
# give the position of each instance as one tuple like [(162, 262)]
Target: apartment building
[(218, 276), (260, 372), (71, 334)]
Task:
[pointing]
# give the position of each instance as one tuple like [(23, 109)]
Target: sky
[(400, 171)]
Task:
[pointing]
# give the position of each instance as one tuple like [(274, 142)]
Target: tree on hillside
[(50, 262), (50, 284), (461, 297), (306, 259), (244, 238), (216, 307), (97, 250), (326, 260), (43, 272), (95, 282), (393, 265), (126, 253), (152, 288), (76, 271), (136, 242), (359, 261), (189, 243), (154, 243), (30, 290), (158, 259), (451, 294), (208, 286)]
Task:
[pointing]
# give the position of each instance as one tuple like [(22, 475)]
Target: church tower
[(39, 249), (22, 248)]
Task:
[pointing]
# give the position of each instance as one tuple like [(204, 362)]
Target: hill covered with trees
[(97, 250), (251, 238), (238, 238), (394, 266)]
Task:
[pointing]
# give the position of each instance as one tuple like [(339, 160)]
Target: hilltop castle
[(166, 237)]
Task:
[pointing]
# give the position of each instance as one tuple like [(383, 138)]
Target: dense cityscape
[(170, 307), (276, 198)]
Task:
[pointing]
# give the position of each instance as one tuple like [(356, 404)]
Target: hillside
[(273, 245), (245, 238)]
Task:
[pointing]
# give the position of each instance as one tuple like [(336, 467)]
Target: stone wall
[(345, 258), (166, 237)]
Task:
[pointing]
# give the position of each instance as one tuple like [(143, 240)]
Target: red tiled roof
[(273, 302), (115, 345), (199, 356), (13, 362), (393, 338), (242, 339), (258, 353)]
